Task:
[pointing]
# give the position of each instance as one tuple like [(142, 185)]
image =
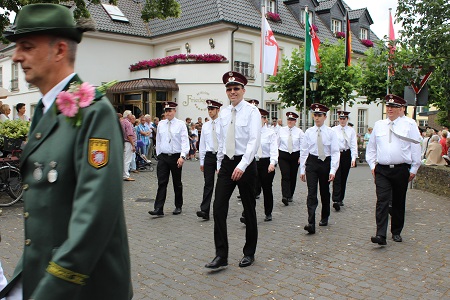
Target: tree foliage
[(161, 9), (336, 83), (426, 27)]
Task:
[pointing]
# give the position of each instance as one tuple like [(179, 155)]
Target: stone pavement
[(339, 262)]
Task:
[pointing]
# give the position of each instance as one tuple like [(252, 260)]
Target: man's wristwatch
[(183, 157)]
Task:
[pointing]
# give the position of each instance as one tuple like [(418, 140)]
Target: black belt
[(233, 157), (316, 157), (211, 152), (170, 154), (345, 150), (395, 166)]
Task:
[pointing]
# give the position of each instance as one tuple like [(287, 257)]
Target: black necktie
[(38, 113)]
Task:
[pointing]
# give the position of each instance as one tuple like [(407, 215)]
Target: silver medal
[(52, 174), (37, 173)]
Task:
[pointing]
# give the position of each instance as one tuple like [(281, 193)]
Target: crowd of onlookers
[(436, 147), (5, 111)]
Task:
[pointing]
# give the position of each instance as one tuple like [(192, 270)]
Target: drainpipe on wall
[(232, 47)]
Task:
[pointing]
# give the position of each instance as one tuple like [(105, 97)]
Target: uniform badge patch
[(98, 155)]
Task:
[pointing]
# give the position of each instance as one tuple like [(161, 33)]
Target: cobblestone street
[(339, 262)]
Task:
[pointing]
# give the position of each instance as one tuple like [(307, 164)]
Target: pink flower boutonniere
[(78, 96)]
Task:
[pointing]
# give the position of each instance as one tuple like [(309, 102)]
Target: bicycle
[(11, 185)]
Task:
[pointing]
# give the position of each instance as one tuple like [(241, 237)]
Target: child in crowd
[(193, 147)]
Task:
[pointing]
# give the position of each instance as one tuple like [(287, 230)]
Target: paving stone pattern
[(339, 262)]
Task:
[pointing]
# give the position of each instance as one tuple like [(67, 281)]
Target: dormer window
[(115, 13), (303, 17), (272, 6), (336, 25), (364, 34)]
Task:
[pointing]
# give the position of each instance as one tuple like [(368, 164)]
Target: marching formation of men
[(238, 145)]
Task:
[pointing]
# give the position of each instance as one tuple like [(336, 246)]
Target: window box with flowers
[(339, 34), (367, 43), (178, 58), (273, 16)]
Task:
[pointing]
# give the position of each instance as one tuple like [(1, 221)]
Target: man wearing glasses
[(239, 141)]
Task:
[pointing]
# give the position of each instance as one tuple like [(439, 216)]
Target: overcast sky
[(379, 11)]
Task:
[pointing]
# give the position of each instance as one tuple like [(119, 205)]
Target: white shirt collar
[(51, 95)]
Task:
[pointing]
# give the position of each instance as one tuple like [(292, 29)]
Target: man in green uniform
[(76, 244)]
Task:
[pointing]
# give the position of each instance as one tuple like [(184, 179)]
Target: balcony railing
[(245, 68)]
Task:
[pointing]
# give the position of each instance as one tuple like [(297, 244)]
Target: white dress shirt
[(283, 138), (398, 151), (177, 141), (269, 145), (275, 128), (51, 95), (206, 143), (330, 147), (247, 132), (352, 143)]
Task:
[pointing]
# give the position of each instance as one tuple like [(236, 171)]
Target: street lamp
[(313, 83)]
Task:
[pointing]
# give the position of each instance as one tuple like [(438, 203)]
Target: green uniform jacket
[(76, 244)]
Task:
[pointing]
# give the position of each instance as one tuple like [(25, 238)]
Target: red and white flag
[(392, 47), (269, 55)]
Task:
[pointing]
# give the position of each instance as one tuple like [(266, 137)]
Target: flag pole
[(263, 30), (304, 77)]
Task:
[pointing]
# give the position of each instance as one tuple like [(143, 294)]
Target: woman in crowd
[(426, 142), (4, 112), (367, 136), (434, 152), (289, 141), (20, 107)]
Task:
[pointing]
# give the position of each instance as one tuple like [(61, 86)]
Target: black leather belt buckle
[(391, 166)]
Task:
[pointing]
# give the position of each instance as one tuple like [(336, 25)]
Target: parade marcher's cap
[(234, 78), (274, 119), (318, 108), (350, 124), (394, 100), (343, 114), (51, 19), (253, 101), (213, 104), (170, 105), (264, 113), (292, 115)]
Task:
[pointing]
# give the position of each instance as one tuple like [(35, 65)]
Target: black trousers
[(264, 181), (209, 174), (340, 180), (168, 164), (289, 169), (317, 172), (391, 185), (224, 188)]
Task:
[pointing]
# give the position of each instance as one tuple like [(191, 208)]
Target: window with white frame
[(362, 121), (421, 109), (14, 77), (364, 34), (334, 118), (173, 51), (336, 25), (309, 120), (272, 6), (243, 59), (423, 122), (273, 108)]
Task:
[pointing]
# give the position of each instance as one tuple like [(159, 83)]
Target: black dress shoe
[(290, 199), (268, 218), (246, 261), (239, 196), (341, 203), (285, 201), (217, 262), (202, 214), (177, 211), (378, 239), (156, 212), (397, 238), (323, 222), (311, 228), (336, 206), (242, 219), (257, 197)]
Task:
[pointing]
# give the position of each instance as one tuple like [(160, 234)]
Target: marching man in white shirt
[(172, 145), (319, 160), (349, 151), (239, 141), (209, 144), (393, 154)]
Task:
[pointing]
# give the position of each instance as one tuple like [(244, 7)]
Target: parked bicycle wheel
[(11, 186)]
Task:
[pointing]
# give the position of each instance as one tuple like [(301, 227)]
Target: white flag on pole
[(269, 56)]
